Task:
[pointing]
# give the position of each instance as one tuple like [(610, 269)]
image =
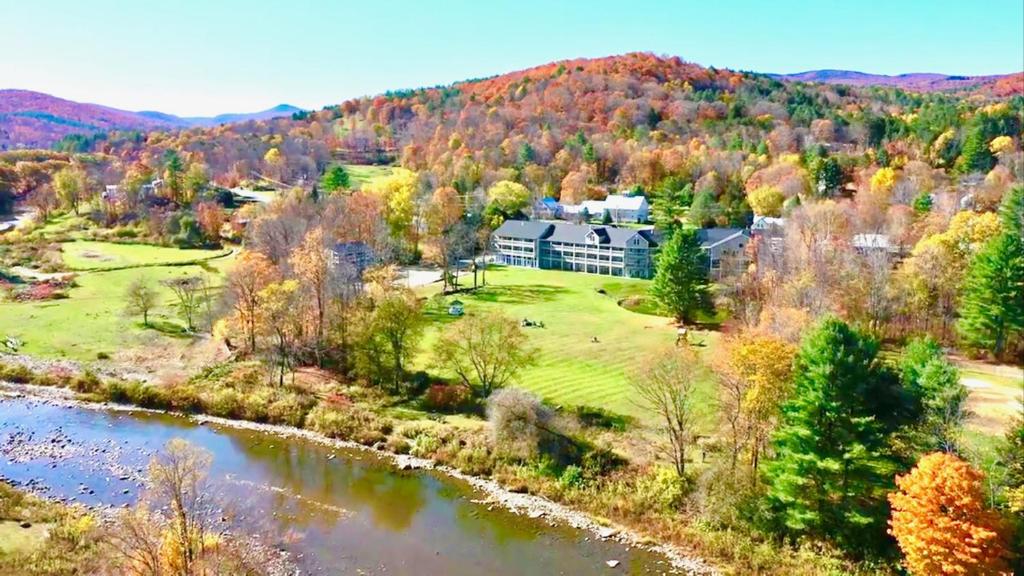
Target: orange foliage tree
[(941, 523)]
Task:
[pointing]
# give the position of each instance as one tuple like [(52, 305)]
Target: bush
[(447, 398), (225, 403), (289, 409), (16, 374), (356, 424), (102, 356), (184, 399), (136, 393), (572, 477), (660, 490), (86, 383)]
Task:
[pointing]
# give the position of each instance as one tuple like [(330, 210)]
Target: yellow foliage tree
[(755, 378), (398, 193), (883, 180), (941, 523), (1000, 144), (766, 201)]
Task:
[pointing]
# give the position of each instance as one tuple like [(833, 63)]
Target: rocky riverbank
[(493, 494)]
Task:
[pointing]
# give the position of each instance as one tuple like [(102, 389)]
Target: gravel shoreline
[(528, 505)]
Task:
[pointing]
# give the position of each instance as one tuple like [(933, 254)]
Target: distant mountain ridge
[(996, 84), (36, 120)]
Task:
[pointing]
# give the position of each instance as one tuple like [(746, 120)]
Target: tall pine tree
[(992, 302), (681, 282), (832, 463)]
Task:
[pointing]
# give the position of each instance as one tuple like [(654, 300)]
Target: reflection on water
[(344, 514)]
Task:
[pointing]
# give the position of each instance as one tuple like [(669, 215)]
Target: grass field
[(88, 255), (571, 368), (361, 174), (996, 395), (92, 319)]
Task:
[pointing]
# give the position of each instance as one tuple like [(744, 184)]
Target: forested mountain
[(998, 84), (36, 120), (577, 129)]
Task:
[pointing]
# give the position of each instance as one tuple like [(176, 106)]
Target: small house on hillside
[(358, 255), (726, 250)]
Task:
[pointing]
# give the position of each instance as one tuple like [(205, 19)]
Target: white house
[(620, 207)]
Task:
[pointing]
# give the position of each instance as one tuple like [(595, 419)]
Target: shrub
[(225, 403), (398, 445), (475, 457), (184, 399), (660, 490), (572, 477), (16, 374), (356, 424), (86, 383), (289, 409), (136, 393), (447, 398), (102, 356)]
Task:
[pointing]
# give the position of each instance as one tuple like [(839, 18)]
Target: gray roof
[(570, 233), (524, 229), (712, 236)]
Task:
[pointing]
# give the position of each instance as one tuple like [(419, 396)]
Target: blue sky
[(195, 57)]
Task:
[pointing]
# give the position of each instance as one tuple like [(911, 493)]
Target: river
[(336, 511)]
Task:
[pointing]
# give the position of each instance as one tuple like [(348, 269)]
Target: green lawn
[(361, 174), (571, 368), (89, 255), (92, 319)]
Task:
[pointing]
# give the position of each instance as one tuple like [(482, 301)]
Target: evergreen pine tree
[(992, 303), (833, 465), (681, 283)]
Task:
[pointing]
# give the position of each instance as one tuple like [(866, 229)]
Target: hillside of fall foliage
[(580, 129)]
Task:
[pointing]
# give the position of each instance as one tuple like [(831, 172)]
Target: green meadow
[(576, 309)]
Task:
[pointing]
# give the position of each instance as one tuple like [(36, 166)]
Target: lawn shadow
[(167, 328)]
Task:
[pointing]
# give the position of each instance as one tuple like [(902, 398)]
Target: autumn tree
[(210, 217), (312, 266), (177, 479), (251, 273), (391, 331), (505, 199), (766, 201), (397, 192), (141, 298), (681, 283), (667, 386), (277, 321), (486, 351), (831, 464), (755, 377), (195, 181), (941, 523), (69, 184)]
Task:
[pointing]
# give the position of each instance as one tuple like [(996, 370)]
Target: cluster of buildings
[(620, 208)]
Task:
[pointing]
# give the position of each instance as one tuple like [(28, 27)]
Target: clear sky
[(202, 57)]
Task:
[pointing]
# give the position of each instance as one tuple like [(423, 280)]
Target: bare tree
[(188, 290), (178, 480), (142, 298), (668, 386)]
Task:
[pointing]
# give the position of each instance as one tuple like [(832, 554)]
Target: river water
[(336, 511)]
